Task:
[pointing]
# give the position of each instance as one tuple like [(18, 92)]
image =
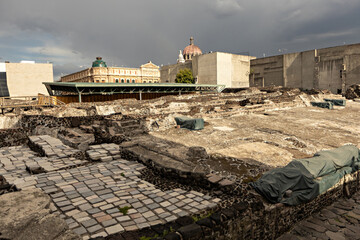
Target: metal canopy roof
[(81, 88)]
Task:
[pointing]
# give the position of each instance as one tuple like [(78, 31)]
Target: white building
[(231, 70), (24, 78)]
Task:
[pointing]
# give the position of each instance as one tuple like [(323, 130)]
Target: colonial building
[(231, 70), (24, 78), (101, 73)]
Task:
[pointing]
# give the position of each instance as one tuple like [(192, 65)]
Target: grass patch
[(250, 179), (149, 238), (124, 210), (202, 216), (165, 232)]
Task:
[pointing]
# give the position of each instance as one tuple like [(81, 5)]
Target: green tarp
[(336, 102), (190, 123), (308, 178), (328, 105)]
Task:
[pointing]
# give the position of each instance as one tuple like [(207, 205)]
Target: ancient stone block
[(192, 231)]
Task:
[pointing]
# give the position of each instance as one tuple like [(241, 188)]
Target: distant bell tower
[(181, 57)]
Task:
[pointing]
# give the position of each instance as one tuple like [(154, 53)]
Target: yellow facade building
[(101, 73)]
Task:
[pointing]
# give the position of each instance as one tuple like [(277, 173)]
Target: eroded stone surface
[(27, 215)]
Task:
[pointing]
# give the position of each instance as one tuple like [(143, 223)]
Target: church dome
[(191, 50), (99, 62)]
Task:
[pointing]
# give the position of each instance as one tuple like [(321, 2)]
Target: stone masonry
[(99, 198), (340, 220)]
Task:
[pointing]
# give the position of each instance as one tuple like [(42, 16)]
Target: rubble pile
[(353, 92), (29, 214), (5, 187)]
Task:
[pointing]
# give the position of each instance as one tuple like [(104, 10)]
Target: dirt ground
[(276, 137)]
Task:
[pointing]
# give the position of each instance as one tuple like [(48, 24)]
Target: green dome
[(99, 62)]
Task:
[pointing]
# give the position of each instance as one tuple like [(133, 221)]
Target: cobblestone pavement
[(104, 152), (101, 198), (52, 147), (339, 221), (15, 160)]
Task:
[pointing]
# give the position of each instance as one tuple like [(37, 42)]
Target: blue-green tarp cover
[(328, 105), (336, 102), (190, 123), (308, 178)]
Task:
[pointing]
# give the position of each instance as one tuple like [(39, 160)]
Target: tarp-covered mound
[(305, 179), (190, 123), (336, 102), (328, 105)]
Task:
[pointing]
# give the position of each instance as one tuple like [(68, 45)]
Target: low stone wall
[(245, 214), (13, 137), (257, 220), (183, 175), (106, 129)]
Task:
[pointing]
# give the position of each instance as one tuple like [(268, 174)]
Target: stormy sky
[(131, 32)]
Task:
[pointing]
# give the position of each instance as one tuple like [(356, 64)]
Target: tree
[(185, 76)]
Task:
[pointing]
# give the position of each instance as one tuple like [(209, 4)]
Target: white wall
[(205, 68), (219, 68), (2, 67), (224, 69), (240, 71), (25, 79)]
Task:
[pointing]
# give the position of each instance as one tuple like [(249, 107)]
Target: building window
[(133, 81), (97, 81), (122, 80), (144, 81), (116, 80), (102, 81), (150, 81), (127, 80)]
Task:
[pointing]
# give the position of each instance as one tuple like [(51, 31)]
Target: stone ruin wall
[(250, 218), (239, 218)]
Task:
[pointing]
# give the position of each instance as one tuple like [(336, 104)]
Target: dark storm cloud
[(73, 33)]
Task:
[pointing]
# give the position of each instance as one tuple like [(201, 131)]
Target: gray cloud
[(226, 8), (73, 33)]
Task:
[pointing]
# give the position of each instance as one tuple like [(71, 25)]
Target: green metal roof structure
[(81, 88)]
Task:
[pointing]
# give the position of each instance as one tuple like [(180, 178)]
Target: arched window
[(127, 80), (116, 80), (122, 80), (133, 81)]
